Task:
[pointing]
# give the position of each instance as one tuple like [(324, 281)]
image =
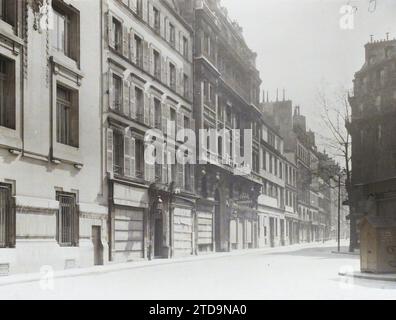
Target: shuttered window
[(7, 217), (7, 93), (67, 116), (7, 11), (67, 220)]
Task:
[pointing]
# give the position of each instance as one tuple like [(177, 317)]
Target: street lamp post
[(339, 213)]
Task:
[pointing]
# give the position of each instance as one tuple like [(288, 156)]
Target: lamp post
[(339, 214)]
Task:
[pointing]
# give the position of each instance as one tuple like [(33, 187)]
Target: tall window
[(139, 7), (118, 153), (158, 115), (117, 35), (157, 64), (157, 20), (67, 220), (139, 51), (186, 86), (139, 104), (185, 47), (172, 74), (65, 33), (117, 93), (139, 156), (172, 34), (7, 218), (67, 116), (7, 93)]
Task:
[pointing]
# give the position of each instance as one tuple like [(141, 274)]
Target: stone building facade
[(52, 207), (148, 86), (373, 128), (226, 96)]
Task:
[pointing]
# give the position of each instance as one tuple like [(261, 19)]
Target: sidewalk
[(115, 267)]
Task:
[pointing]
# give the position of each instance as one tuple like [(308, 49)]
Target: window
[(264, 160), (157, 64), (139, 8), (117, 35), (7, 217), (139, 156), (139, 104), (186, 122), (7, 11), (172, 34), (185, 47), (67, 116), (118, 153), (7, 93), (117, 93), (157, 109), (139, 51), (65, 33), (157, 20), (186, 86), (172, 73), (67, 220)]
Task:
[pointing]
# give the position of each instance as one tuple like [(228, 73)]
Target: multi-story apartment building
[(148, 86), (52, 209), (373, 129), (226, 97)]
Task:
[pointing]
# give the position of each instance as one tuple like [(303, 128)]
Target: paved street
[(302, 272)]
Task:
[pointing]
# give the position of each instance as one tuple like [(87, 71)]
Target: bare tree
[(336, 114)]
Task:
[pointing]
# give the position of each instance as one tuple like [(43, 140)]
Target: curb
[(369, 276), (116, 267)]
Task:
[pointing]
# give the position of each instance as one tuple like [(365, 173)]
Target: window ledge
[(66, 65), (7, 31), (67, 154), (9, 138)]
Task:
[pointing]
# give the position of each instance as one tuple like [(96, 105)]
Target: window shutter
[(11, 223), (146, 56), (110, 151), (165, 117), (165, 168), (179, 78), (126, 98), (151, 60), (111, 90), (179, 120), (110, 33), (192, 177), (192, 124), (133, 5), (129, 156), (132, 100), (132, 47), (152, 112), (151, 14), (149, 172), (163, 70), (125, 42), (167, 31), (146, 109), (76, 225), (180, 175), (162, 25), (145, 10)]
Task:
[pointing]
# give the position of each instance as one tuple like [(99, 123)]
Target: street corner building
[(52, 209), (372, 127), (82, 83)]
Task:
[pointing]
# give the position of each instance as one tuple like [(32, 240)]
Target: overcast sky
[(301, 46)]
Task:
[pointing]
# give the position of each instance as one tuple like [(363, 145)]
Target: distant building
[(373, 133)]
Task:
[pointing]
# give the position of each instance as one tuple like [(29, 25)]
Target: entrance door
[(97, 245), (158, 237), (272, 231)]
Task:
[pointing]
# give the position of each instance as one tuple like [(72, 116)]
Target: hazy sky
[(301, 46)]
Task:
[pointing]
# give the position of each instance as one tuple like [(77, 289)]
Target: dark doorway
[(217, 221), (272, 232), (97, 245), (158, 237)]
